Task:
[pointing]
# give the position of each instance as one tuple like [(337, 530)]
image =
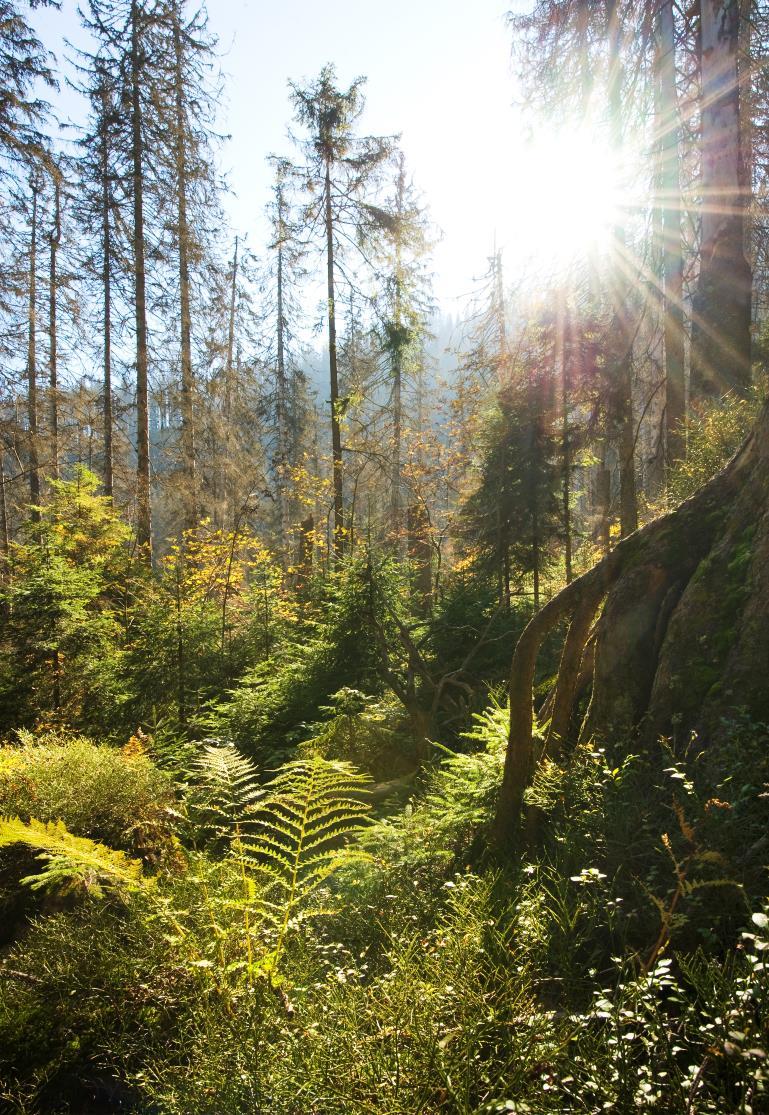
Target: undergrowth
[(289, 965)]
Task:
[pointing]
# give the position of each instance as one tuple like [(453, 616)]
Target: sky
[(439, 73)]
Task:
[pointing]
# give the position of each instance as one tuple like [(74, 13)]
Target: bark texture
[(722, 304), (669, 215)]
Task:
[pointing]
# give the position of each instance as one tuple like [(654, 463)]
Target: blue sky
[(438, 72)]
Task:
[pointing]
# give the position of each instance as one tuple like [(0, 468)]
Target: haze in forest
[(384, 618)]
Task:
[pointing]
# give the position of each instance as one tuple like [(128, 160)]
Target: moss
[(718, 591)]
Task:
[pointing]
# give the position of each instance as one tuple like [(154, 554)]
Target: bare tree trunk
[(305, 552), (396, 482), (34, 462), (5, 536), (53, 374), (562, 372), (669, 212), (503, 361), (143, 505), (722, 304), (536, 558), (336, 429), (183, 232), (420, 556), (230, 509), (620, 335), (106, 248), (282, 401)]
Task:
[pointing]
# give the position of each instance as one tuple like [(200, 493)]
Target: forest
[(384, 690)]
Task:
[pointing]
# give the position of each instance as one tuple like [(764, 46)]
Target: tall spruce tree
[(125, 32), (186, 111), (512, 518), (339, 169), (404, 312)]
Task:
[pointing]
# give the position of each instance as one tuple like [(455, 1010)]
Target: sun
[(568, 200)]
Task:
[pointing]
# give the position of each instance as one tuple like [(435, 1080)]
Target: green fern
[(71, 862), (302, 836), (225, 790)]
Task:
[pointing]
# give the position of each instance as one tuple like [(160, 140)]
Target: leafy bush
[(713, 436), (336, 644), (87, 999), (369, 732), (679, 1038), (61, 655), (114, 797), (117, 797)]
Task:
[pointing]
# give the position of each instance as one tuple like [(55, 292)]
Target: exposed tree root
[(651, 586)]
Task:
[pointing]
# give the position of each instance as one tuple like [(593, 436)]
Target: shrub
[(117, 797), (367, 731), (112, 796), (713, 436)]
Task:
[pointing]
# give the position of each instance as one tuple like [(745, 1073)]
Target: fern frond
[(225, 789), (71, 862), (302, 833)]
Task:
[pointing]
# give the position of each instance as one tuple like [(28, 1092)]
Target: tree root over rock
[(682, 635)]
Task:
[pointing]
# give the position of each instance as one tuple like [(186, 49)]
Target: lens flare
[(570, 199)]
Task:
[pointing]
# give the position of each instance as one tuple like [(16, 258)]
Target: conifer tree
[(512, 517), (96, 212), (282, 275), (404, 311), (24, 67), (340, 167), (186, 109), (32, 403), (669, 214), (126, 36), (54, 240)]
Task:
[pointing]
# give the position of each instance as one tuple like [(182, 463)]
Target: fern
[(225, 791), (71, 862), (302, 837)]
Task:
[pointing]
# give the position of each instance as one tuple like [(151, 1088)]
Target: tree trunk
[(143, 505), (669, 213), (621, 362), (336, 429), (305, 552), (682, 640), (603, 500), (53, 371), (190, 500), (5, 536), (396, 482), (34, 462), (503, 356), (722, 303), (230, 510), (281, 407), (420, 557), (562, 373), (106, 249)]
